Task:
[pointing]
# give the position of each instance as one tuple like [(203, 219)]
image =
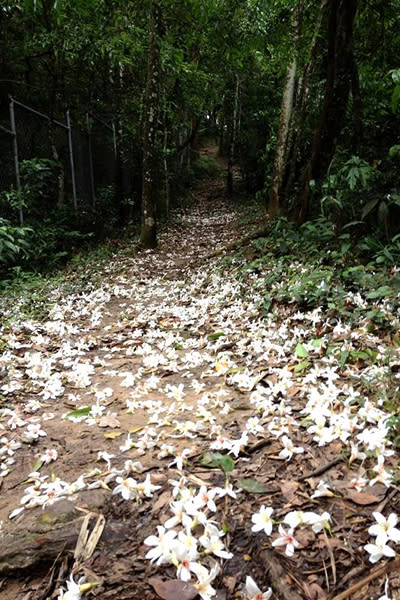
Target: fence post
[(16, 160), (91, 171), (71, 160)]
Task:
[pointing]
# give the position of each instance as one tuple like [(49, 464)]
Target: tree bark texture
[(148, 236), (231, 158), (45, 534), (339, 66), (300, 112), (285, 119)]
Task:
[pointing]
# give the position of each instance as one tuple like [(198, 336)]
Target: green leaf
[(38, 464), (79, 412), (225, 527), (216, 459), (302, 366), (216, 335), (318, 342), (395, 98), (369, 207), (395, 73), (253, 486), (383, 211), (395, 199), (344, 355), (301, 352), (360, 354), (394, 151), (381, 292)]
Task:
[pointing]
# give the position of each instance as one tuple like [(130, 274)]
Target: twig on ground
[(258, 446), (353, 573), (382, 505), (390, 566), (322, 469)]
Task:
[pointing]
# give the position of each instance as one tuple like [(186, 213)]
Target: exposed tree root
[(278, 577)]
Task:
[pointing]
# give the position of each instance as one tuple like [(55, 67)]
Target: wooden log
[(39, 536)]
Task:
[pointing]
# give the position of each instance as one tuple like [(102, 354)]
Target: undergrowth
[(311, 267), (33, 294), (311, 270)]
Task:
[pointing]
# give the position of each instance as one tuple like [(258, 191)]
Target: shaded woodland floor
[(169, 363)]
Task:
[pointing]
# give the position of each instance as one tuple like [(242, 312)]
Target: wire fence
[(82, 160)]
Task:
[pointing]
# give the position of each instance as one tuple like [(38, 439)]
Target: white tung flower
[(262, 520), (163, 545), (126, 487), (378, 551), (289, 448), (286, 539), (385, 529), (253, 592)]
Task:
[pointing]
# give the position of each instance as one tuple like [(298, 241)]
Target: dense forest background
[(104, 104)]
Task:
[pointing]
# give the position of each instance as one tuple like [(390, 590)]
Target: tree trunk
[(285, 119), (300, 112), (148, 235), (339, 66), (163, 207), (231, 158), (357, 105)]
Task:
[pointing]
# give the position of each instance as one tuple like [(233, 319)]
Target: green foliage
[(206, 167), (218, 460), (11, 199), (383, 209), (51, 244), (312, 268), (395, 73), (356, 173), (14, 242), (91, 55), (394, 425), (37, 176), (383, 254), (344, 192)]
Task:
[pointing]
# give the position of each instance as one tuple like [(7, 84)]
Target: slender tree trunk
[(339, 65), (281, 151), (123, 209), (231, 158), (222, 125), (148, 235), (281, 145), (163, 208), (300, 112), (357, 105)]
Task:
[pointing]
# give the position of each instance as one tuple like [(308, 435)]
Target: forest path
[(163, 392)]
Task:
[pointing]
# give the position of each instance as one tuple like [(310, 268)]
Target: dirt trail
[(146, 292), (164, 361)]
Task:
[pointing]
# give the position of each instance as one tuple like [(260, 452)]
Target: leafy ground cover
[(204, 420)]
